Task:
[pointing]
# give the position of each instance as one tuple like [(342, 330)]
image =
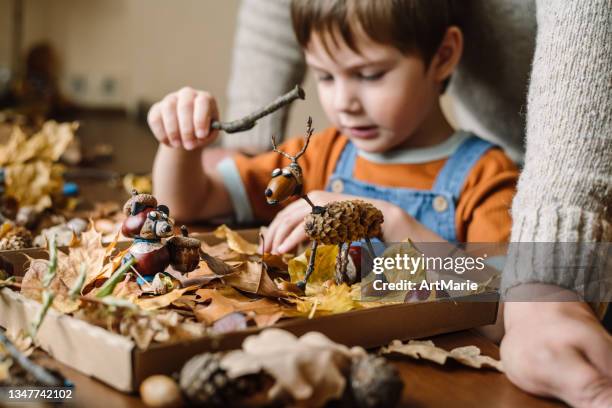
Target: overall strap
[(456, 169), (346, 162)]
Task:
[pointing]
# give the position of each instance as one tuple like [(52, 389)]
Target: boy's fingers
[(288, 225), (185, 111), (296, 236), (154, 119), (202, 112), (168, 110)]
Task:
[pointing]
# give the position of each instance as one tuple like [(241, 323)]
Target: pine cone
[(374, 383), (344, 221), (205, 383), (18, 238)]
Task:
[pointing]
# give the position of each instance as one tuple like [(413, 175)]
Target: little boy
[(381, 67)]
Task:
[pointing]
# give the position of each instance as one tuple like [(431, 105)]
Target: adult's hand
[(558, 349)]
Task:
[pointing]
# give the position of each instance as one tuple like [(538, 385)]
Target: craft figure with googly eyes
[(149, 224), (324, 224)]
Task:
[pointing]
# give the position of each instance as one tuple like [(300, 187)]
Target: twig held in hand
[(247, 122)]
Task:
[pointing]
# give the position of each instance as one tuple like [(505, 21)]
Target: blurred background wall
[(117, 53), (122, 54)]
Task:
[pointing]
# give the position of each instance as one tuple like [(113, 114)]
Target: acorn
[(184, 251), (161, 391), (138, 202)]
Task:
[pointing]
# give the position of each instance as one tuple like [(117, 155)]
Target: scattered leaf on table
[(235, 241), (310, 368), (469, 355), (325, 264)]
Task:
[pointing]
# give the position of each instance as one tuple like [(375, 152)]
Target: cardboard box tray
[(117, 361)]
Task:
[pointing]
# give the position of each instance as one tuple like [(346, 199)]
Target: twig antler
[(309, 131)]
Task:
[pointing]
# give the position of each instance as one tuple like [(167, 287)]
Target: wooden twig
[(39, 373), (247, 122)]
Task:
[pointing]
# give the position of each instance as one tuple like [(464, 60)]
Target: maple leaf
[(88, 251)]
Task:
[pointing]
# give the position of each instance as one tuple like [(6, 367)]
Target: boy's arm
[(181, 183), (483, 209)]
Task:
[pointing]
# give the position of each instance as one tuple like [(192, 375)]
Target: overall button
[(440, 204), (337, 186)]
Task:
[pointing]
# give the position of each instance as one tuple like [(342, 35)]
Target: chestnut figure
[(147, 222)]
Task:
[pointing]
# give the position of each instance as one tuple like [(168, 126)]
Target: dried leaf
[(221, 302), (88, 250), (468, 355), (327, 300), (310, 368), (47, 144), (267, 320), (5, 366), (158, 302), (252, 277), (325, 264), (235, 241)]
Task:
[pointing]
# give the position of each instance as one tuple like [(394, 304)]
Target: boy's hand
[(558, 349), (287, 229), (183, 118)]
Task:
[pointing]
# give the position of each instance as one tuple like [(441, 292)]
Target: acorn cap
[(146, 200), (184, 241)]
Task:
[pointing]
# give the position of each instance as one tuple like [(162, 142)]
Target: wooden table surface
[(426, 383)]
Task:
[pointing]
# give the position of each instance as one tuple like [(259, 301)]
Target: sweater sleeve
[(266, 62), (565, 190)]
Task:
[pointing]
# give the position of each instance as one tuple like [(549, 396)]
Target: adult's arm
[(267, 62), (565, 189)]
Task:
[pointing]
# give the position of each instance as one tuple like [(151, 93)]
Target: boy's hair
[(408, 25)]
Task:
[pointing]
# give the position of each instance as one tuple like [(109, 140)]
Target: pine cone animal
[(205, 383), (344, 221), (18, 238)]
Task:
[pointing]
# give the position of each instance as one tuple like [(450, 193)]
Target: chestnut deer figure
[(337, 223)]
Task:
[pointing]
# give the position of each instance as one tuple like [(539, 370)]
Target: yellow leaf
[(235, 241), (325, 264), (329, 300)]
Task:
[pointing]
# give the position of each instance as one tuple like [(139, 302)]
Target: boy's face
[(380, 98)]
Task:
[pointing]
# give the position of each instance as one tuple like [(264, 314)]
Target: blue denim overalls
[(433, 208)]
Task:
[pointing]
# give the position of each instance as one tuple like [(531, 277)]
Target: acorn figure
[(148, 223), (184, 251), (338, 223)]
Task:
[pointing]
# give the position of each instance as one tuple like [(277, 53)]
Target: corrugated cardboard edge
[(91, 349)]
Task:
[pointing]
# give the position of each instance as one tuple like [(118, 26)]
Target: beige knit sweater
[(564, 110)]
